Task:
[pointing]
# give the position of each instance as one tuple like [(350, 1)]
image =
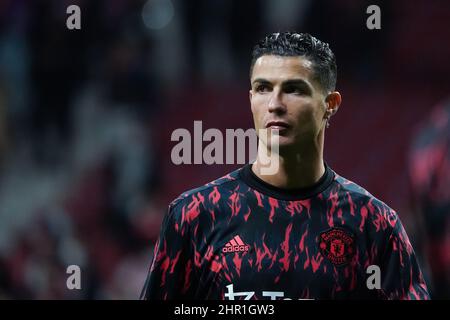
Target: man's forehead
[(272, 66)]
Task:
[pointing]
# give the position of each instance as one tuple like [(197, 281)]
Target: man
[(301, 232), (429, 173)]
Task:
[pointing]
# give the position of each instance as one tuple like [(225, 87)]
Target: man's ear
[(250, 94), (333, 101)]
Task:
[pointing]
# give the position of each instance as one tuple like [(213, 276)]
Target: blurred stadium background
[(86, 118)]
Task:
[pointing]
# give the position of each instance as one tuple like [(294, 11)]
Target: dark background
[(86, 118)]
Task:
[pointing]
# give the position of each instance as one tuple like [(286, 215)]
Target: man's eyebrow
[(260, 80), (297, 82), (287, 82)]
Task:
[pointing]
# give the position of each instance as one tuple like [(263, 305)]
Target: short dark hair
[(301, 44)]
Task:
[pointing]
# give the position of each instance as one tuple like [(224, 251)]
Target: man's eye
[(295, 90), (262, 88)]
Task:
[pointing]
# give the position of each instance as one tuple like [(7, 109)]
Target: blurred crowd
[(77, 160), (85, 118)]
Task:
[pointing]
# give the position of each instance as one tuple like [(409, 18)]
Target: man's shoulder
[(368, 204), (209, 191)]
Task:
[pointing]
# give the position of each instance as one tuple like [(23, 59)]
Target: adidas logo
[(235, 245)]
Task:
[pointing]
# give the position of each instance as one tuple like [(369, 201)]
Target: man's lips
[(277, 125)]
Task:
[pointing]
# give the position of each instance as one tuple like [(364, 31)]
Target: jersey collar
[(249, 177)]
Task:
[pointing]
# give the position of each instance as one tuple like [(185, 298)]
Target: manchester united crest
[(337, 245)]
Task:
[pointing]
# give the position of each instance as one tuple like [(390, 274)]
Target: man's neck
[(295, 170)]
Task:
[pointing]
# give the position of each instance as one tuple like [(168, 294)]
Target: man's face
[(285, 97)]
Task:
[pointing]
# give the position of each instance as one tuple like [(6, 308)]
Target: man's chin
[(282, 143)]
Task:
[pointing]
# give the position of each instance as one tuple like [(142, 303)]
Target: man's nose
[(275, 103)]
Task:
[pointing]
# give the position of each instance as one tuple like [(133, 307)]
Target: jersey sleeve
[(401, 276), (170, 274)]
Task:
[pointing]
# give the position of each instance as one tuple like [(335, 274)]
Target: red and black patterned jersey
[(240, 238)]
